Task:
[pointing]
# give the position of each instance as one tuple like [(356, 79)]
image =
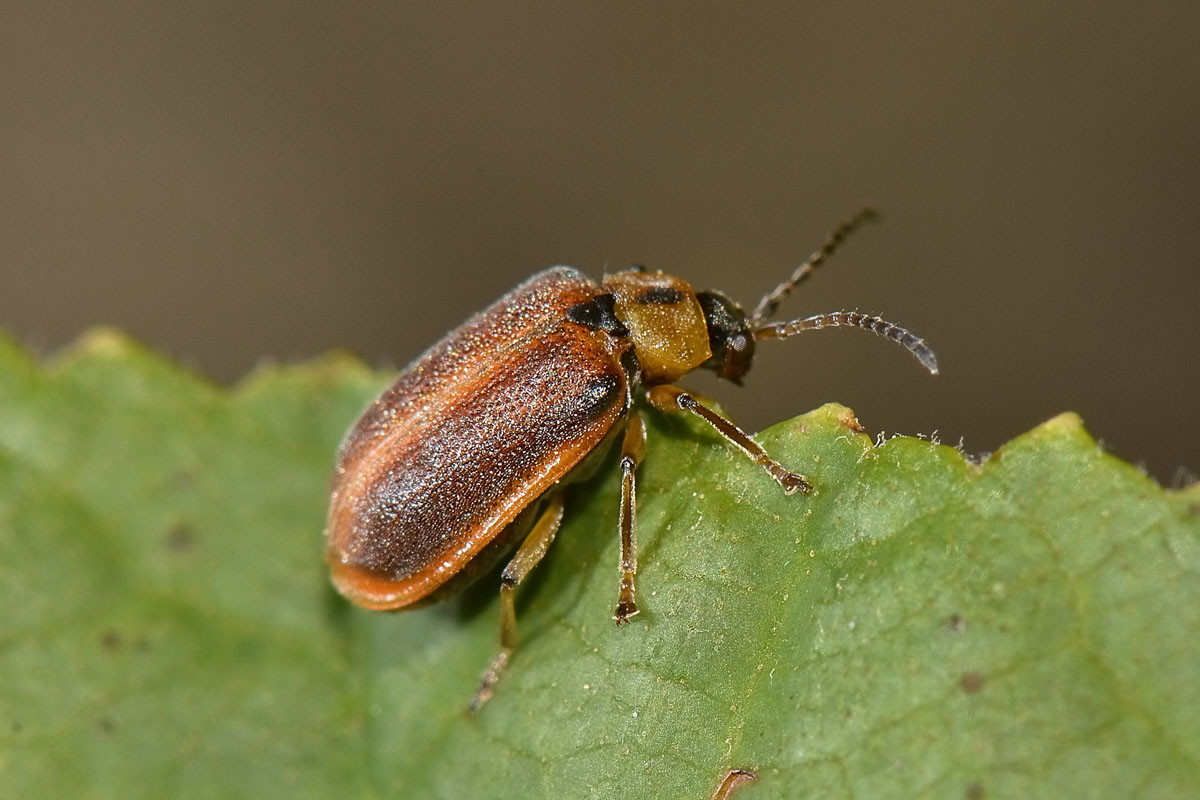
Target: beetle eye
[(738, 356), (729, 336)]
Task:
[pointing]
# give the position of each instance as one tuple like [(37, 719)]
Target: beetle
[(465, 456)]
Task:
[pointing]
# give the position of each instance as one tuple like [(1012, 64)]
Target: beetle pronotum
[(465, 456)]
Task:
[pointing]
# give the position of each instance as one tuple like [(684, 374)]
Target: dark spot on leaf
[(730, 781), (974, 791), (972, 682), (16, 727), (185, 479), (111, 641), (181, 538), (955, 624), (106, 725)]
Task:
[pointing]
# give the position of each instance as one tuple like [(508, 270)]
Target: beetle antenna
[(852, 319), (772, 299)]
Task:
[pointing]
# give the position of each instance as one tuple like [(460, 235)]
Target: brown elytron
[(467, 438), (464, 457)]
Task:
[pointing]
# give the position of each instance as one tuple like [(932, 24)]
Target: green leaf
[(918, 626)]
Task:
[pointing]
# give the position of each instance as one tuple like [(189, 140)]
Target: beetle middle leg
[(672, 398), (633, 447), (531, 551)]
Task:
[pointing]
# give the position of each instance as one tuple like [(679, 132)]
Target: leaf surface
[(918, 626)]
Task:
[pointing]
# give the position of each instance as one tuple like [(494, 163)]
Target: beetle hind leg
[(633, 447), (531, 551)]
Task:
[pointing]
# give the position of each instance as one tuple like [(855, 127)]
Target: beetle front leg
[(633, 447), (672, 398), (531, 551)]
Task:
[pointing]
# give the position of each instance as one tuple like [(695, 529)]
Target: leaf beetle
[(464, 457)]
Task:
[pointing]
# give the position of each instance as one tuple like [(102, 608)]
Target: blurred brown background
[(236, 182)]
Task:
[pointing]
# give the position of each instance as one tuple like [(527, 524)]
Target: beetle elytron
[(465, 456)]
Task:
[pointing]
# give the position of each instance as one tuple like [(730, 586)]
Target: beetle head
[(729, 336)]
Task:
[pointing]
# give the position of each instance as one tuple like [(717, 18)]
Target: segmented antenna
[(771, 300), (852, 319)]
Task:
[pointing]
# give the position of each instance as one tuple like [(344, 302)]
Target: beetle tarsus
[(626, 607), (487, 681), (793, 482), (624, 613), (624, 620)]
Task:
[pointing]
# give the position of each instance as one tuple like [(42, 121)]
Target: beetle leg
[(672, 398), (633, 447), (531, 551)]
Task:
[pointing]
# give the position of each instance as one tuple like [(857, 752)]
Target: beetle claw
[(793, 483), (625, 611)]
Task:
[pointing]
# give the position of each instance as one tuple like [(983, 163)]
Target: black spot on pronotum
[(659, 295), (955, 624), (598, 313), (971, 682), (111, 641), (974, 791)]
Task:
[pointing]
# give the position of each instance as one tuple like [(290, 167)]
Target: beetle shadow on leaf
[(477, 596), (567, 584), (338, 614)]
